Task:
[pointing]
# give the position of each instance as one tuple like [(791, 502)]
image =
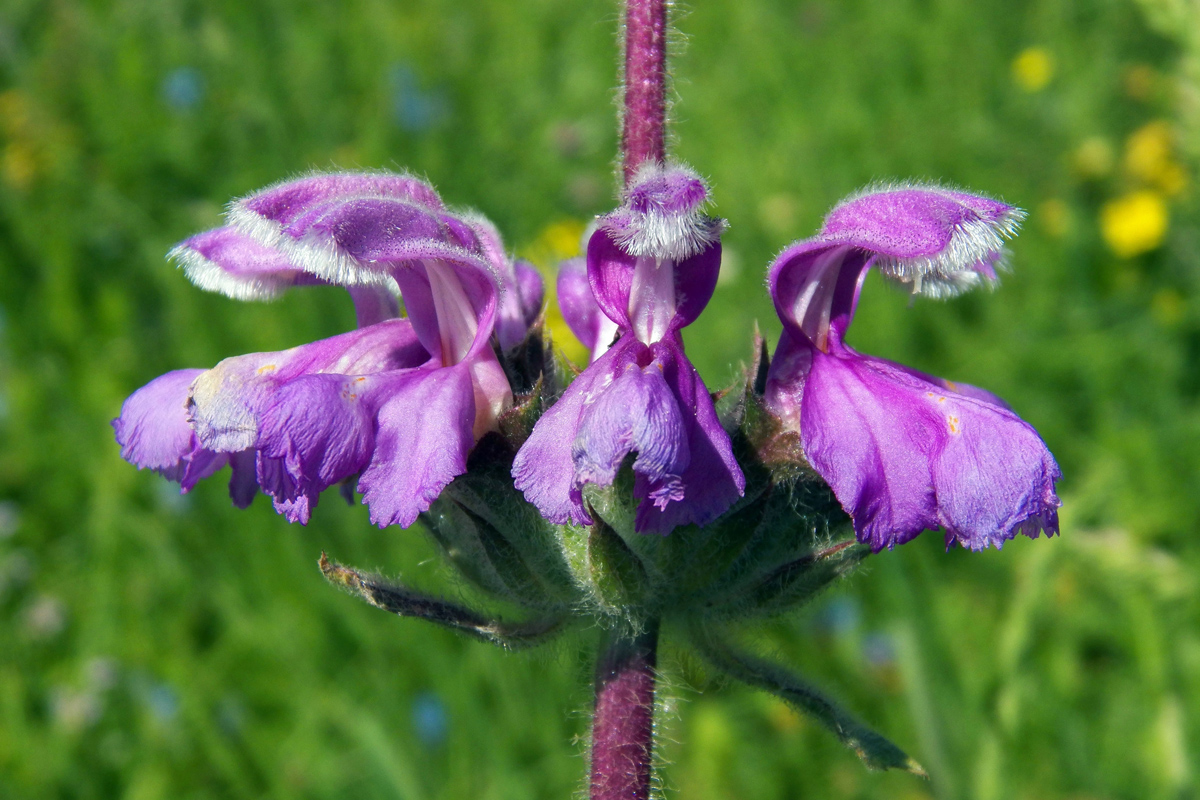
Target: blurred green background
[(158, 646)]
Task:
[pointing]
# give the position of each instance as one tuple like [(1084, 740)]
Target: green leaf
[(876, 751)]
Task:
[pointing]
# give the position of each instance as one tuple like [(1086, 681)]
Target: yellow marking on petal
[(267, 368), (359, 380), (941, 399), (951, 385), (953, 423)]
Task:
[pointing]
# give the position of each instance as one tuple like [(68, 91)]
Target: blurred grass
[(153, 646)]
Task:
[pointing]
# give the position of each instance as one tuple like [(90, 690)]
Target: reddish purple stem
[(642, 138), (623, 724)]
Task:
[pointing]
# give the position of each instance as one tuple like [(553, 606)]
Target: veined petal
[(635, 398), (544, 469), (712, 480), (903, 455), (226, 401), (452, 307), (651, 296), (521, 288), (637, 412), (531, 290), (317, 430), (493, 394), (422, 438)]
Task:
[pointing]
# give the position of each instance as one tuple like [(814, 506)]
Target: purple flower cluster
[(398, 403)]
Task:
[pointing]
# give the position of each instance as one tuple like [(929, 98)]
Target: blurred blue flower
[(429, 719), (879, 650), (10, 516), (839, 616), (414, 108), (162, 701), (183, 88), (231, 714)]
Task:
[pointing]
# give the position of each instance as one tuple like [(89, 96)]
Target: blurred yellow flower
[(14, 112), (1149, 157), (556, 243), (1134, 223), (19, 165), (1033, 68)]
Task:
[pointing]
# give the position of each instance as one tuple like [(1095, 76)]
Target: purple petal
[(653, 262), (422, 439), (652, 296), (154, 433), (938, 241), (373, 304), (580, 310), (544, 469), (228, 261), (789, 368), (452, 307), (512, 318), (712, 481), (153, 430), (635, 413), (531, 289), (633, 399), (904, 455), (279, 205), (319, 429), (226, 401), (661, 216)]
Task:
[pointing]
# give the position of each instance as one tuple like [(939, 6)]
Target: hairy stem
[(623, 723), (645, 111)]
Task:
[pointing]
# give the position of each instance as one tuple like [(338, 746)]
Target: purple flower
[(902, 450), (652, 266), (398, 402)]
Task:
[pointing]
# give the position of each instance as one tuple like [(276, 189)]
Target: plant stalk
[(623, 721), (645, 108)]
